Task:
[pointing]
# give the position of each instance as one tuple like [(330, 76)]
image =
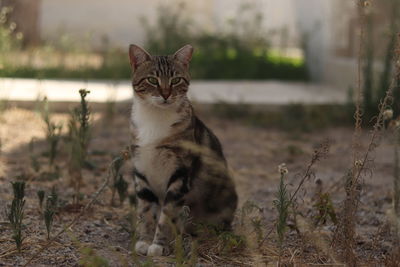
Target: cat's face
[(161, 81)]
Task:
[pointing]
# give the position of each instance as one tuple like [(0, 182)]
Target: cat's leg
[(147, 209), (171, 216)]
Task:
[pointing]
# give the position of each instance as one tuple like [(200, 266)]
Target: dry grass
[(254, 241), (362, 161)]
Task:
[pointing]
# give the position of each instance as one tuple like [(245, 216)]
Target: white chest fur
[(152, 125)]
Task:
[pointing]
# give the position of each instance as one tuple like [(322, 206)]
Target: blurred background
[(302, 41), (273, 79)]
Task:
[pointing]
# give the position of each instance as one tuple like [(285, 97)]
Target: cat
[(179, 165)]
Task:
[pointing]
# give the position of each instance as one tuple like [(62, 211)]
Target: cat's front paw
[(141, 247), (155, 250)]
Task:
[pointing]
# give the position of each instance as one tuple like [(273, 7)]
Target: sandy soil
[(253, 154)]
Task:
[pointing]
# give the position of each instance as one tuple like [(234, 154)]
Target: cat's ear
[(137, 56), (184, 55)]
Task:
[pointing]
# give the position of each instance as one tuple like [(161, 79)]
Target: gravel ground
[(253, 154)]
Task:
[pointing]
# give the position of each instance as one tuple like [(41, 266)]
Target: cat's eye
[(175, 80), (152, 80)]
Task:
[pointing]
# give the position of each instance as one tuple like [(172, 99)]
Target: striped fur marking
[(148, 195), (179, 173), (140, 176)]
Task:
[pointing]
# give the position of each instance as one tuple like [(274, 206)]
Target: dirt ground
[(253, 154)]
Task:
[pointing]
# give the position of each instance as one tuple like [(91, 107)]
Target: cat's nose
[(165, 93)]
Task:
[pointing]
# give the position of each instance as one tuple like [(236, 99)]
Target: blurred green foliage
[(240, 51), (120, 71)]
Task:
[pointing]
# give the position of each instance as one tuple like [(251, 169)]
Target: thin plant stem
[(77, 217)]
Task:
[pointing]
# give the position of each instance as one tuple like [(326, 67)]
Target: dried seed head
[(126, 155), (387, 114), (397, 124), (367, 7), (19, 35), (283, 169), (84, 92), (13, 26)]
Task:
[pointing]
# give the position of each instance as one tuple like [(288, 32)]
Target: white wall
[(99, 18), (313, 18), (119, 20)]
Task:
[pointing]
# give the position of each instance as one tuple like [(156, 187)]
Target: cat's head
[(161, 81)]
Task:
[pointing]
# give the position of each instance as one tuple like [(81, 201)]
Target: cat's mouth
[(165, 103)]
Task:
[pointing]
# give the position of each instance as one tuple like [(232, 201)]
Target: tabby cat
[(180, 172)]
